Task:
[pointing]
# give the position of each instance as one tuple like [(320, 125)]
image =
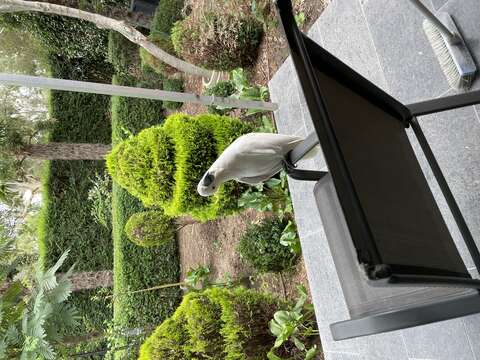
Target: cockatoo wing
[(254, 180)]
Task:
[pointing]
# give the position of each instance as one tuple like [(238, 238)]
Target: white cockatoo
[(251, 159)]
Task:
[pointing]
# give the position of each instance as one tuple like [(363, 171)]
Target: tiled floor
[(383, 40)]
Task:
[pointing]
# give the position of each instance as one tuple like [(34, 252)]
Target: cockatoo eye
[(208, 180)]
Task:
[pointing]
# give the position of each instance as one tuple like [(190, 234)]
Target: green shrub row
[(136, 267), (65, 221), (219, 324), (172, 84), (185, 147)]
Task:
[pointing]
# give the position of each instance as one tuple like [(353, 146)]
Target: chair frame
[(301, 48)]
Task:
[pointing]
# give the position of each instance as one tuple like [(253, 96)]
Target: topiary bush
[(163, 165), (218, 41), (168, 12), (260, 246), (218, 323), (173, 84), (222, 89), (150, 228)]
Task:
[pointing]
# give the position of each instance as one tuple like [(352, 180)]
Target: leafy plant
[(197, 276), (222, 89), (218, 41), (100, 197), (296, 325), (300, 18), (43, 314), (261, 9), (272, 196), (262, 246), (238, 87), (150, 228)]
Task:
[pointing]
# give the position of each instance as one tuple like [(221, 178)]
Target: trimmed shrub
[(162, 165), (218, 41), (217, 324), (144, 165), (150, 228), (261, 247), (173, 84), (168, 12), (223, 89)]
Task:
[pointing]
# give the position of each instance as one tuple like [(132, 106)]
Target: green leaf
[(298, 344), (311, 353), (272, 356), (275, 328)]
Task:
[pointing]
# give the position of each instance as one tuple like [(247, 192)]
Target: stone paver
[(384, 41)]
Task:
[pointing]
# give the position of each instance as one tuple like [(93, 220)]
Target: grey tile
[(284, 90), (411, 69), (472, 326), (466, 14), (344, 33), (385, 346), (329, 355), (454, 137), (437, 4), (445, 340)]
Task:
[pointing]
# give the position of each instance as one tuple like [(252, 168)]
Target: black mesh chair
[(397, 262)]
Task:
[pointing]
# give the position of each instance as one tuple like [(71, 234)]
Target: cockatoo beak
[(206, 186)]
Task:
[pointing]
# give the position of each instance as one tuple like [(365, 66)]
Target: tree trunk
[(87, 280), (66, 151), (104, 22)]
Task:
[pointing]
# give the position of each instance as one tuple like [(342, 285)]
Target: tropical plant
[(296, 325), (100, 197), (272, 196), (238, 87), (262, 246), (150, 228), (30, 324)]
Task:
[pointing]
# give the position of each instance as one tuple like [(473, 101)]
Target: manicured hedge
[(219, 324), (172, 84), (66, 222), (144, 166), (137, 268)]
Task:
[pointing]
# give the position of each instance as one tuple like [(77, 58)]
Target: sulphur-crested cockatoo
[(251, 159)]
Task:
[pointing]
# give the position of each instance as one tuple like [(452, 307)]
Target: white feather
[(252, 159)]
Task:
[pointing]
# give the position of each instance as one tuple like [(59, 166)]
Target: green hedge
[(65, 221), (144, 166), (172, 84), (219, 324), (137, 268)]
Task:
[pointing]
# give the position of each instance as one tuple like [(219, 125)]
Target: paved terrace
[(383, 40)]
